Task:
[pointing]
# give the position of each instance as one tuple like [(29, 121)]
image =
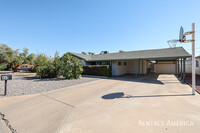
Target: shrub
[(41, 60), (57, 65), (68, 66), (33, 69), (44, 67), (3, 67), (98, 70), (48, 67), (71, 67), (46, 71)]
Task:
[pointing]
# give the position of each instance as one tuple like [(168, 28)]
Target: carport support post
[(142, 67), (184, 70), (139, 68), (175, 67), (136, 68), (178, 67), (181, 68)]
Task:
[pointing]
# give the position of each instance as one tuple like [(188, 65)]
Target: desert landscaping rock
[(23, 84)]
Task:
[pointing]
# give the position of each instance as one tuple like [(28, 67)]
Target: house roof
[(166, 53), (197, 57)]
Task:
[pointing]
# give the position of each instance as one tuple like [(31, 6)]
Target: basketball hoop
[(172, 43), (182, 39)]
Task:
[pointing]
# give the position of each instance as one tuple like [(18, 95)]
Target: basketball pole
[(193, 60)]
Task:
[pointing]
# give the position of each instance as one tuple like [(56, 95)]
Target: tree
[(30, 58), (3, 67), (41, 60), (90, 53), (57, 64), (47, 67), (6, 54), (84, 53), (24, 55), (120, 51), (71, 66), (42, 66), (17, 59)]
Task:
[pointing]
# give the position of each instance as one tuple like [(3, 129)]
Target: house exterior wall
[(167, 67), (83, 62), (129, 68), (119, 69), (188, 66), (197, 67)]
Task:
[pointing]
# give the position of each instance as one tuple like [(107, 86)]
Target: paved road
[(109, 106)]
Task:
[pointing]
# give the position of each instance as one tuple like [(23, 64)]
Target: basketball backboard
[(181, 35)]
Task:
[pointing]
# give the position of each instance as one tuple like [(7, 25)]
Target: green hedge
[(97, 70)]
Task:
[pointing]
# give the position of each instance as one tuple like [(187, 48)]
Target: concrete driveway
[(117, 105)]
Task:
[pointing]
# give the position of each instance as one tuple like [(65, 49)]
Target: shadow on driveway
[(148, 78), (122, 95)]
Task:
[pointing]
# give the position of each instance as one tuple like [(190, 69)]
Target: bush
[(41, 60), (98, 70), (71, 67), (47, 67), (3, 67), (33, 69), (67, 66), (46, 71), (57, 65)]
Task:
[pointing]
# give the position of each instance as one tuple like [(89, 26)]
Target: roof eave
[(156, 58)]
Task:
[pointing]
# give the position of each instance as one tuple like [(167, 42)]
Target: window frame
[(119, 63)]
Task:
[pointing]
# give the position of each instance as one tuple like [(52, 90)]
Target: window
[(119, 63), (124, 63), (104, 63), (197, 63)]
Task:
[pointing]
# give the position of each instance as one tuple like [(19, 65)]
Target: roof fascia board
[(141, 59)]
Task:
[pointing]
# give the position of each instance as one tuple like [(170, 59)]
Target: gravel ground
[(23, 85)]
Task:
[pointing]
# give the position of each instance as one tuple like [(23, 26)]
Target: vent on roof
[(104, 52)]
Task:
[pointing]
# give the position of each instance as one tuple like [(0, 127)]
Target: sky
[(47, 26)]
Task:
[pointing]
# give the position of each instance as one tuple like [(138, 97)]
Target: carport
[(173, 65)]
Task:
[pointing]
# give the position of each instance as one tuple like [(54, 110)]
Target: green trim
[(181, 68), (178, 67), (142, 67), (184, 70), (136, 68)]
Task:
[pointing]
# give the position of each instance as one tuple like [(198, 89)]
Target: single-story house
[(166, 60)]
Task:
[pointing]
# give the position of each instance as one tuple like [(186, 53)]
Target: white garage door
[(166, 68)]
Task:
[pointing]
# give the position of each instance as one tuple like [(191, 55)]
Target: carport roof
[(167, 53)]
